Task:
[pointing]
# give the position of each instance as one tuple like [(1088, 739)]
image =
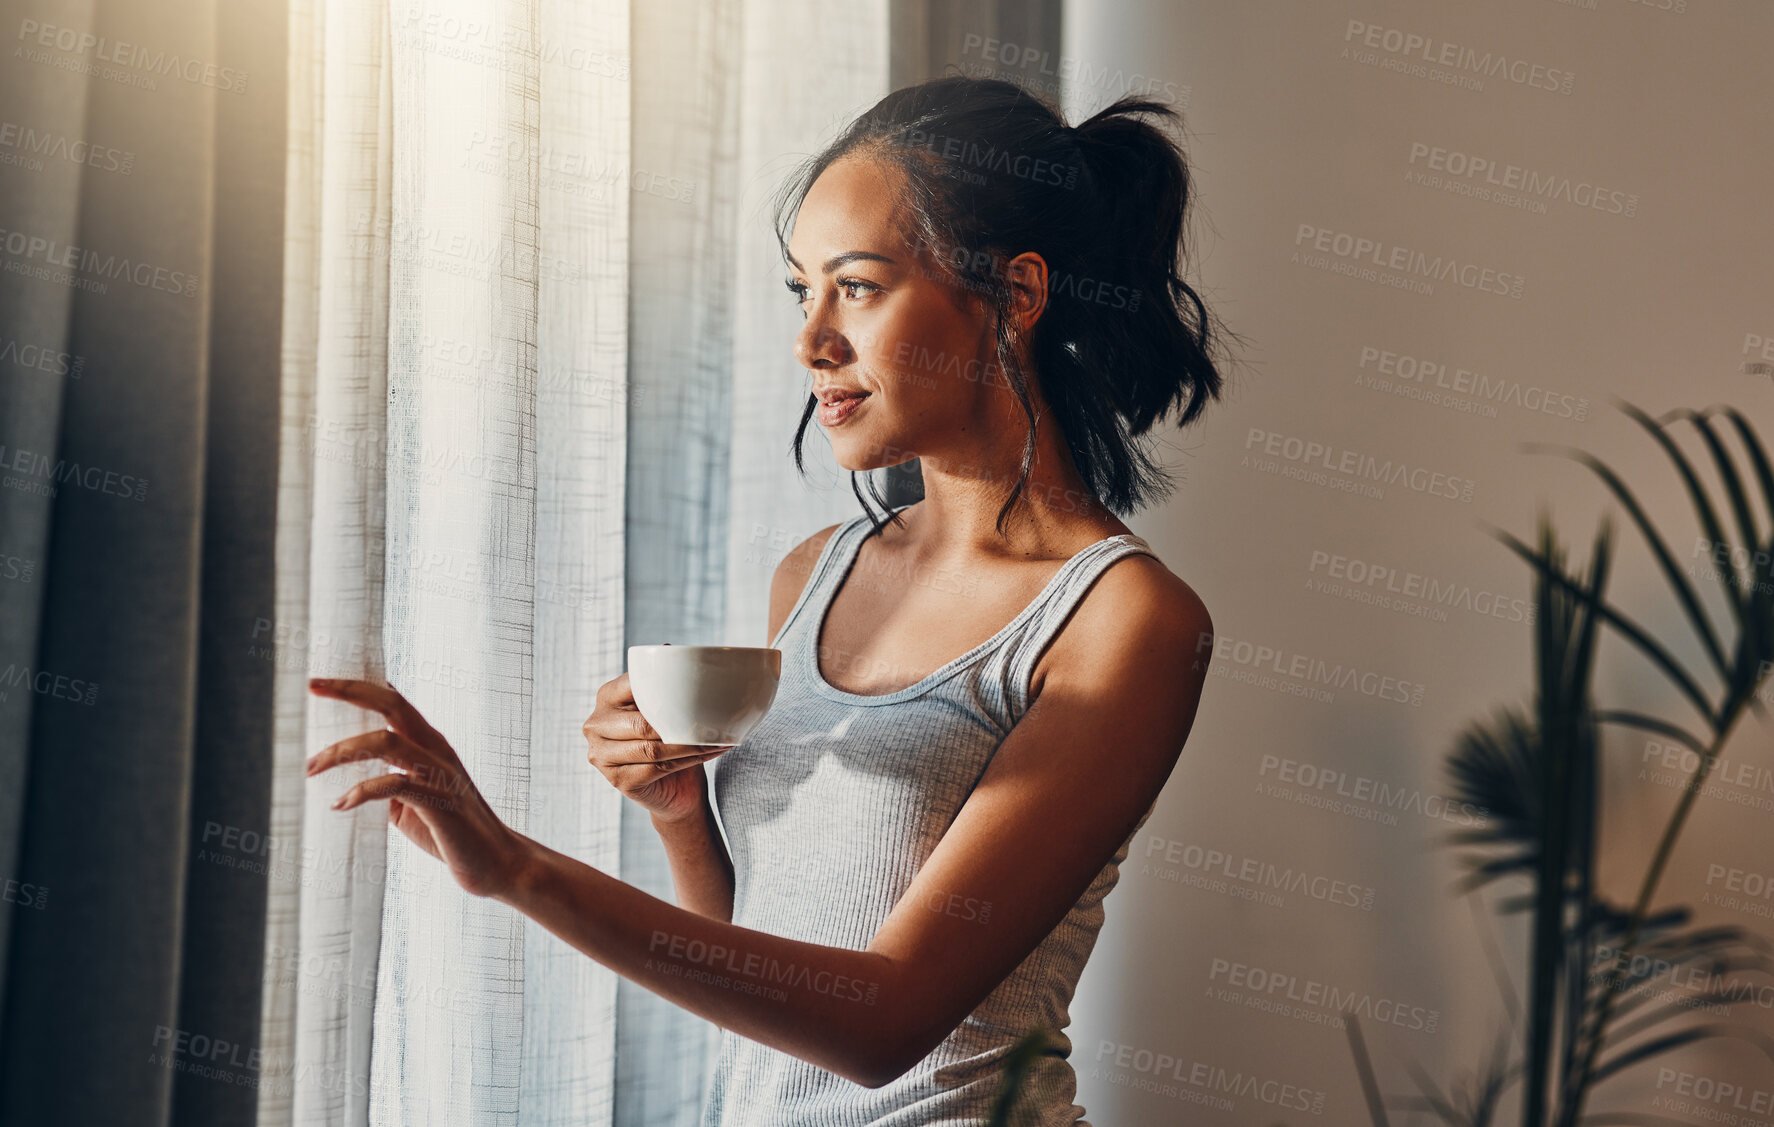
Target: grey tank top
[(832, 804)]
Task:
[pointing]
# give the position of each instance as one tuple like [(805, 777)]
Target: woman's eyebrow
[(838, 260)]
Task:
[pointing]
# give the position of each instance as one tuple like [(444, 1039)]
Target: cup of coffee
[(703, 695)]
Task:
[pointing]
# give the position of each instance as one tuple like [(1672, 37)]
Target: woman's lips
[(831, 414)]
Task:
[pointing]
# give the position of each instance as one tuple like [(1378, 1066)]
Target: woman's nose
[(818, 345)]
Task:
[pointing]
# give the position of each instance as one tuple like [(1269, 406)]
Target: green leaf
[(1678, 580), (1630, 630)]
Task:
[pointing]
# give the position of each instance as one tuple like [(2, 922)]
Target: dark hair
[(990, 171)]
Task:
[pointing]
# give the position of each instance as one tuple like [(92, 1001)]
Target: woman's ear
[(1027, 274)]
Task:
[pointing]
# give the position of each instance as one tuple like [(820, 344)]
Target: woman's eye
[(854, 288)]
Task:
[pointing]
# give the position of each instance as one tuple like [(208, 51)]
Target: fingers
[(385, 699), (650, 753), (388, 746), (615, 693), (627, 777), (618, 724), (411, 791)]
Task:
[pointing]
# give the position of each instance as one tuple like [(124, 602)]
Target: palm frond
[(1494, 766), (1630, 630), (1535, 774), (1364, 1069), (1628, 1057), (1678, 580)]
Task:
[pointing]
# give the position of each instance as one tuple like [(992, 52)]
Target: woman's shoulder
[(793, 572), (1136, 602)]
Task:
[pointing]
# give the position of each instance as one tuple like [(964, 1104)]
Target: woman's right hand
[(666, 779)]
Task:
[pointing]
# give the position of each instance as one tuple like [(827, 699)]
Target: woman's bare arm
[(1090, 756), (701, 870)]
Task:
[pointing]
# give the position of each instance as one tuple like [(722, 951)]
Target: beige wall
[(1658, 292)]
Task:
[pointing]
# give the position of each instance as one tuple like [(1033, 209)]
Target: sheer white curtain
[(533, 316), (327, 880)]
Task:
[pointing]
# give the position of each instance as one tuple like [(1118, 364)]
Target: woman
[(924, 826)]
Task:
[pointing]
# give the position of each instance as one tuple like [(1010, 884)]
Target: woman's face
[(883, 322)]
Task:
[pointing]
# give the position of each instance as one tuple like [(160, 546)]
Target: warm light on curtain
[(521, 431)]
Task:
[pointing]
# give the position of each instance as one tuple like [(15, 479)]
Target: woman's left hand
[(431, 798)]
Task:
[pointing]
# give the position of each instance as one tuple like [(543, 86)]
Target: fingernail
[(339, 804)]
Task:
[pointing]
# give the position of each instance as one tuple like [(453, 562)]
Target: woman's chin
[(855, 452)]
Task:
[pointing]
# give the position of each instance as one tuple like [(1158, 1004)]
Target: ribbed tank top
[(832, 804)]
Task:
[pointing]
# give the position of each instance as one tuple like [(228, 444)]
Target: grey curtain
[(138, 432)]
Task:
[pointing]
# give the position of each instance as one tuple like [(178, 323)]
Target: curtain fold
[(680, 309), (138, 402), (485, 372), (329, 870), (581, 343), (807, 70)]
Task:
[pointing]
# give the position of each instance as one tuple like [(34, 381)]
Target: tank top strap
[(822, 582), (1057, 603)]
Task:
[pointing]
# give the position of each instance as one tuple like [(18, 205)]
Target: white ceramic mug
[(703, 695)]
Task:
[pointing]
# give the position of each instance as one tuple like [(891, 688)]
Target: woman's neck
[(956, 522)]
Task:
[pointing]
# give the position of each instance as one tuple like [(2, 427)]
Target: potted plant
[(1537, 772)]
